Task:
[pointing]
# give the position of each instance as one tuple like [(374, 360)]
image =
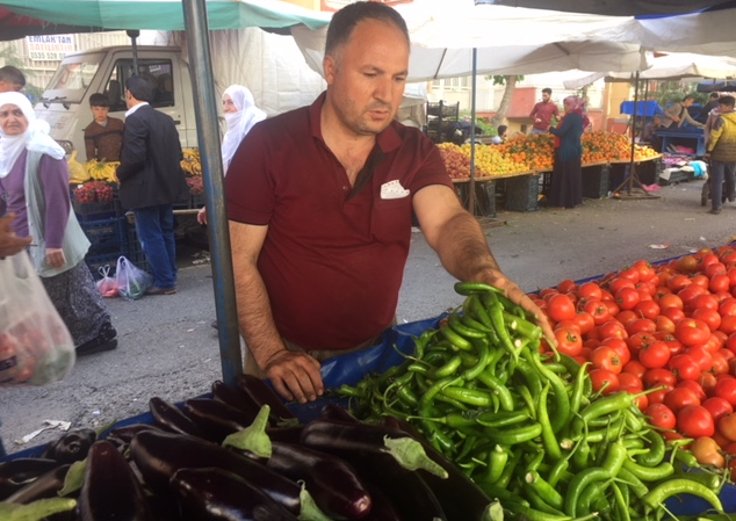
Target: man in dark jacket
[(151, 180)]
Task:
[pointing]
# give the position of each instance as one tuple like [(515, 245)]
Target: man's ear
[(329, 67)]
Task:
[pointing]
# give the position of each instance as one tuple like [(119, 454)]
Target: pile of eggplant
[(241, 455)]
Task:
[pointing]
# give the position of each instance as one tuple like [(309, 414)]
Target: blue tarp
[(643, 108)]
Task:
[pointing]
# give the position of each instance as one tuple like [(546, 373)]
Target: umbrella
[(616, 7)]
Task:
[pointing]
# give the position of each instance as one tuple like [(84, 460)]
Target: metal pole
[(471, 187), (635, 119), (133, 34), (208, 135)]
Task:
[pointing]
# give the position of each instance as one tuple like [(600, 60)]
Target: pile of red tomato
[(669, 329)]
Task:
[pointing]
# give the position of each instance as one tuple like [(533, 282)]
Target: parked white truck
[(270, 65)]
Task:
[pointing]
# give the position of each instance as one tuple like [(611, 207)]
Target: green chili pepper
[(514, 435), (661, 471), (576, 397), (496, 314), (656, 452), (549, 440), (614, 457), (522, 326), (498, 456), (505, 398), (461, 329), (468, 396), (501, 419), (594, 491), (448, 368), (545, 490), (659, 494), (579, 483), (557, 471), (562, 400), (473, 288), (632, 482)]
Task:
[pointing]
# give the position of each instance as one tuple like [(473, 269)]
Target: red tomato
[(647, 309), (626, 316), (704, 301), (606, 357), (598, 310), (657, 377), (613, 308), (670, 300), (695, 421), (627, 298), (726, 389), (665, 324), (658, 395), (700, 280), (569, 341), (566, 286), (655, 354), (636, 368), (661, 416), (590, 290), (691, 331), (685, 367), (728, 323), (680, 397), (731, 342), (707, 259), (720, 364), (694, 387), (630, 383), (567, 324), (674, 314), (702, 357), (715, 270), (671, 341), (677, 282), (709, 316), (689, 293), (612, 328), (727, 307), (717, 407), (719, 282), (584, 321), (638, 340), (641, 325), (707, 382), (619, 346), (604, 378), (727, 426), (617, 284), (560, 307)]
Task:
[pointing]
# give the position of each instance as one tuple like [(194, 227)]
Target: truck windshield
[(71, 79)]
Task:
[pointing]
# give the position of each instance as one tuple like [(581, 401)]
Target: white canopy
[(508, 40)]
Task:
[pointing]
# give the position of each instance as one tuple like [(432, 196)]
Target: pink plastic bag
[(107, 285), (35, 345)]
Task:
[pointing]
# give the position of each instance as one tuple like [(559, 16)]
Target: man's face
[(366, 76), (8, 86), (723, 108), (128, 99), (688, 102), (12, 120), (545, 97), (100, 113)]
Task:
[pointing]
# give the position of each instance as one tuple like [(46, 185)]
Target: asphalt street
[(168, 348)]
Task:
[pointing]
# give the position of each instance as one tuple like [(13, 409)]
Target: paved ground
[(168, 349)]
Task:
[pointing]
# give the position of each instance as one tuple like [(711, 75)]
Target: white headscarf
[(36, 137), (239, 123)]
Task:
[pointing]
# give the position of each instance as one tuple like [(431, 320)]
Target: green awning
[(166, 15)]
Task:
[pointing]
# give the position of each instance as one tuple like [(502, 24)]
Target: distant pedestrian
[(103, 137), (543, 113), (567, 183), (151, 181), (11, 79), (500, 136), (721, 152)]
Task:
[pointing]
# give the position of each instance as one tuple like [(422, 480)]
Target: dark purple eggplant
[(18, 473), (461, 498), (127, 432), (334, 412), (333, 483), (262, 394), (383, 508), (216, 419), (159, 455), (214, 494), (110, 491), (72, 446), (285, 434), (234, 397), (45, 486), (169, 417)]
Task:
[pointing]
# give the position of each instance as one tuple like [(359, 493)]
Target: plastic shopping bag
[(35, 345), (132, 281), (107, 285)]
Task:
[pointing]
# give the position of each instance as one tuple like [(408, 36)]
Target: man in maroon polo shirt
[(543, 112), (320, 203)]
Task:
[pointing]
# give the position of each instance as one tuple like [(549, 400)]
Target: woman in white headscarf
[(241, 114), (34, 185)]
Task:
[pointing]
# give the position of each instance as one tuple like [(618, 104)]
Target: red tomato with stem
[(661, 416), (606, 357), (647, 309), (627, 298), (657, 377), (654, 355), (566, 286), (569, 341), (604, 379), (685, 367), (619, 346), (589, 290), (695, 421), (598, 310)]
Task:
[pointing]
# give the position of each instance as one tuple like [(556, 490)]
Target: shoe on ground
[(106, 340), (155, 290), (714, 211), (214, 324)]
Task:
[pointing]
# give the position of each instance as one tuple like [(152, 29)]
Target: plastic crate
[(485, 197), (108, 236), (522, 193), (596, 181)]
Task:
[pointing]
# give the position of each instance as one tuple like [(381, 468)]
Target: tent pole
[(208, 136), (471, 187)]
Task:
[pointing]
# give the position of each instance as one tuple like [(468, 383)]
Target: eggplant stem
[(410, 454)]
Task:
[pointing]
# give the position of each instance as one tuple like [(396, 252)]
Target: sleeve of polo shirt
[(249, 186), (432, 171)]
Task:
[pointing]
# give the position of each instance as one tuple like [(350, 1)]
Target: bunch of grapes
[(196, 185)]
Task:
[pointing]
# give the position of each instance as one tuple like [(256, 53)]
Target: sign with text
[(52, 47)]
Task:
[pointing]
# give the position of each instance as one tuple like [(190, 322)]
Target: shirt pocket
[(391, 220)]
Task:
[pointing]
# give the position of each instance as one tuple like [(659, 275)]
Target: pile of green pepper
[(527, 428)]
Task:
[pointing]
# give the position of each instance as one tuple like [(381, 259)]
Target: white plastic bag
[(107, 285), (132, 281), (35, 345)]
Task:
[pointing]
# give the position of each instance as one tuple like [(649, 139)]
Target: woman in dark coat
[(567, 184)]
